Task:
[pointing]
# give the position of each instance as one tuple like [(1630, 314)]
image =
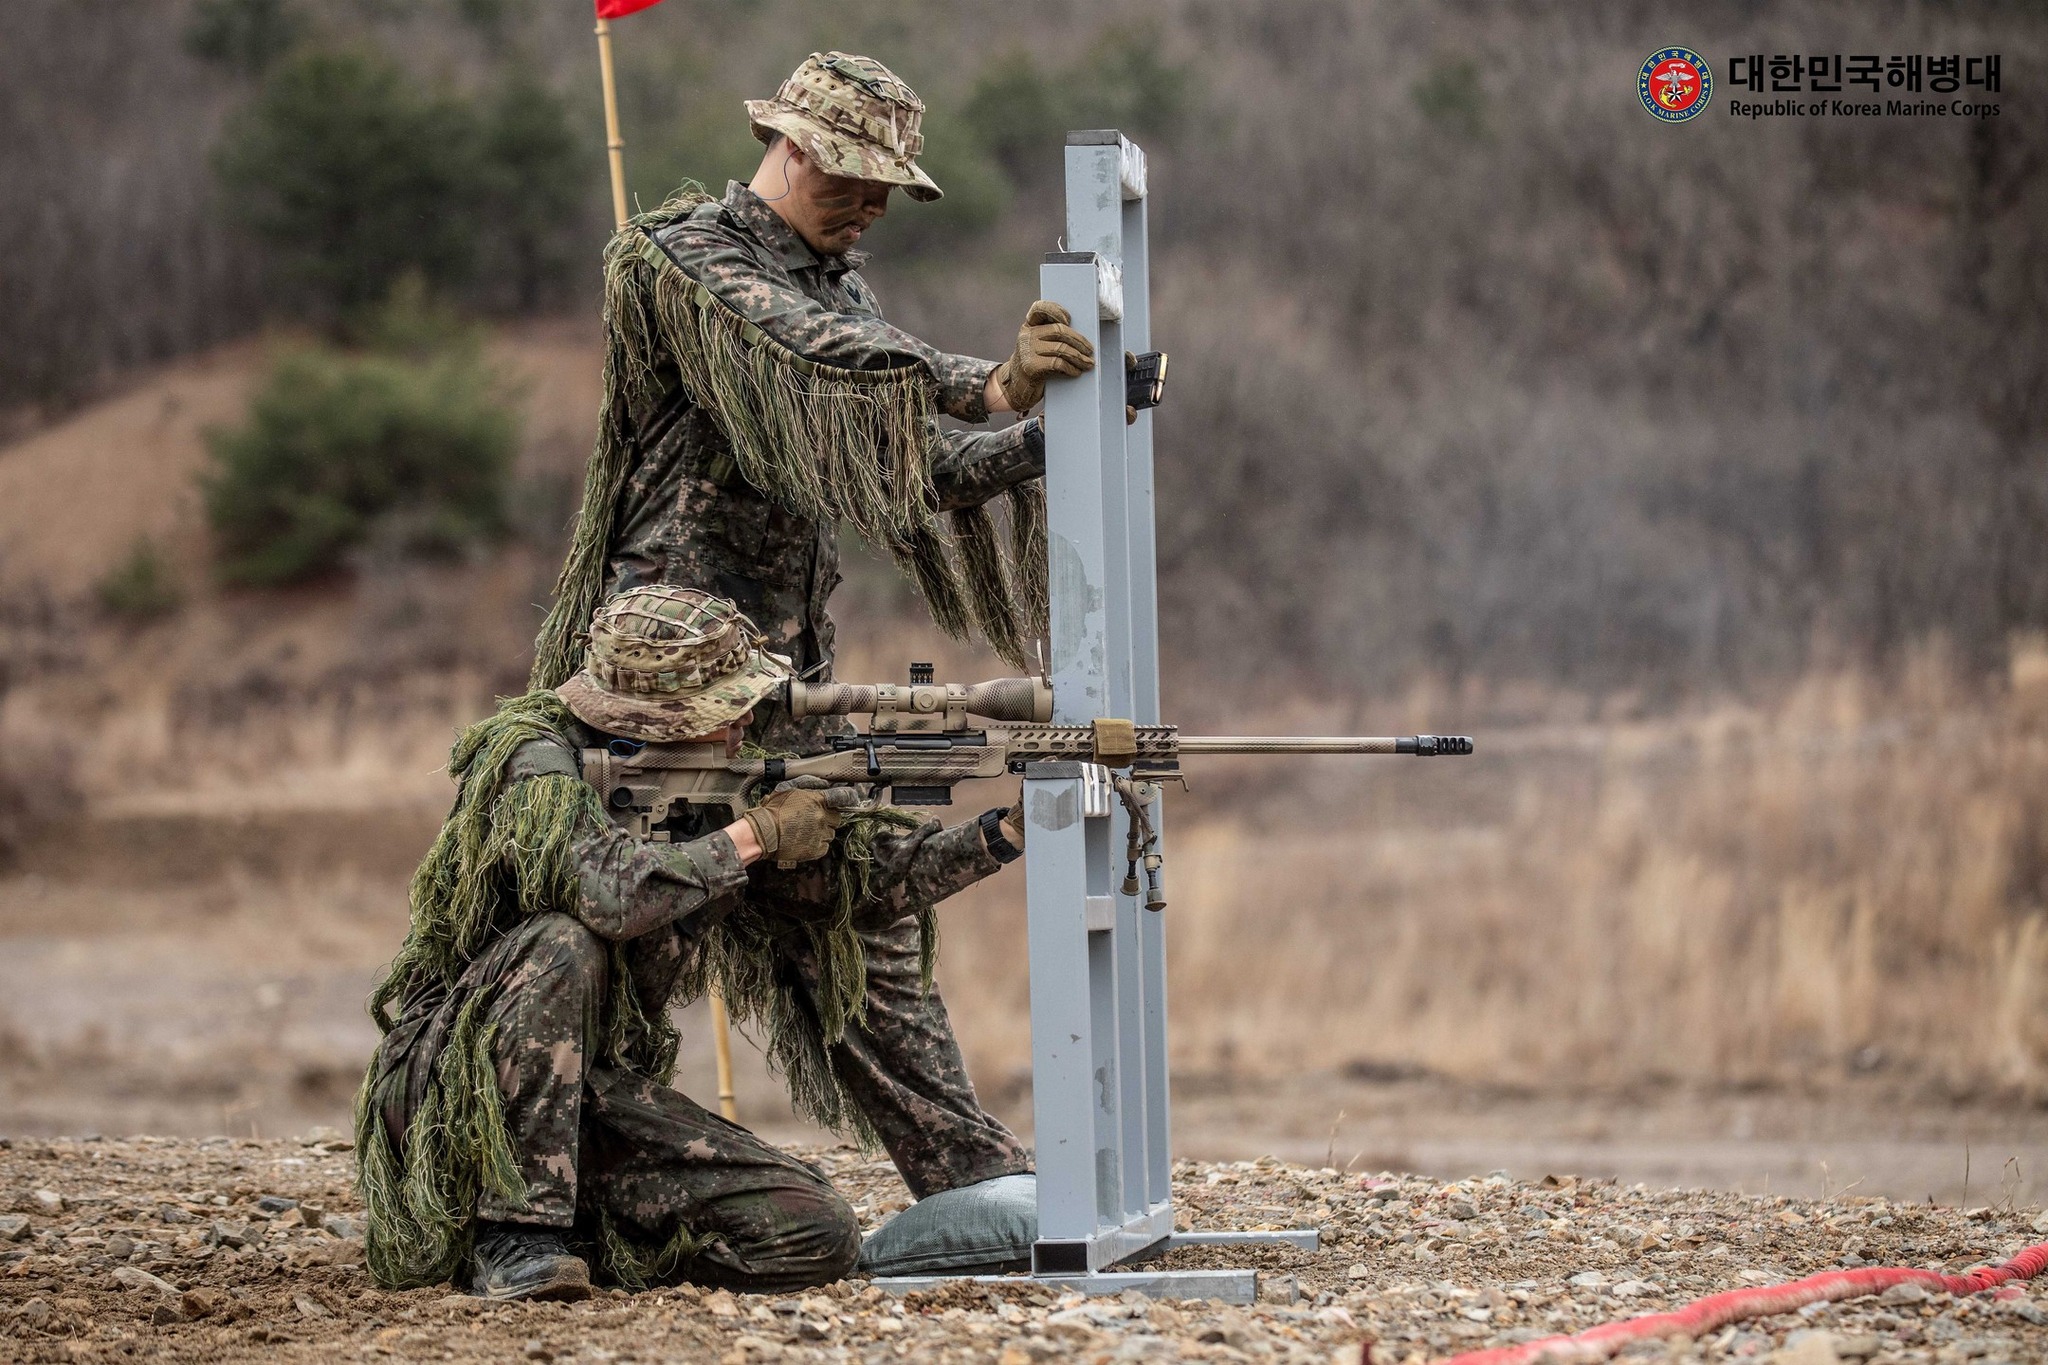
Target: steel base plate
[(1228, 1286)]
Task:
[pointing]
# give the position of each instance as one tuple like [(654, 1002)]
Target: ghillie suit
[(504, 853), (829, 444), (507, 853)]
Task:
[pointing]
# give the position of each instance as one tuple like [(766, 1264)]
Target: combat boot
[(526, 1261)]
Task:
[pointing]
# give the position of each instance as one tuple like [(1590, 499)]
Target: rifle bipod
[(1141, 842)]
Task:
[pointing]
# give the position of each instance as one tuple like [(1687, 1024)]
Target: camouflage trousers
[(901, 1066), (904, 1069), (600, 1143), (596, 1142)]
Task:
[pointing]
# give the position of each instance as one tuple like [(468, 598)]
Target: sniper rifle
[(924, 738)]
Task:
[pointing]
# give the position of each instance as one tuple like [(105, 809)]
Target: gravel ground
[(237, 1249)]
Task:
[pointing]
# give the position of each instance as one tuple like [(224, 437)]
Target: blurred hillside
[(1479, 372)]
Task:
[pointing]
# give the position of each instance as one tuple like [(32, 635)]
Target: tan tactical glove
[(797, 821), (1047, 345)]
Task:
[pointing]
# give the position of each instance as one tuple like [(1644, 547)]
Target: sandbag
[(977, 1229)]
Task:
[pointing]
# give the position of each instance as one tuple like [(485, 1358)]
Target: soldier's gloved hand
[(1047, 345), (797, 821), (1002, 831)]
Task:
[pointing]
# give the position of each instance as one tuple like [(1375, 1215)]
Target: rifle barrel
[(1423, 746)]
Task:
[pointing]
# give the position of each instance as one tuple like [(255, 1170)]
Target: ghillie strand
[(421, 1199), (744, 957), (827, 443), (638, 1266)]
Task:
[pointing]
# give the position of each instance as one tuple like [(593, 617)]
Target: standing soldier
[(754, 399)]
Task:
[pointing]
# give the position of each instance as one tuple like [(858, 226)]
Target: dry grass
[(1850, 877)]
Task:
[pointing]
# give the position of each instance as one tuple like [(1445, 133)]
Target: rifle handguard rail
[(919, 757), (1166, 742), (1028, 701)]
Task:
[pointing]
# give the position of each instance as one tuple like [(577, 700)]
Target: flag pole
[(721, 1042), (615, 146), (615, 150)]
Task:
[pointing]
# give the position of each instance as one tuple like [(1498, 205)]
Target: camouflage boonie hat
[(666, 664), (853, 117)]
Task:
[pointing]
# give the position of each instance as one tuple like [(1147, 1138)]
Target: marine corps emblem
[(1675, 84)]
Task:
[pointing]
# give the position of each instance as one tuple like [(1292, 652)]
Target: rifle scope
[(1021, 700)]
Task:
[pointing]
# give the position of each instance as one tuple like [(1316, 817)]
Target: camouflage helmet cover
[(853, 117), (666, 664)]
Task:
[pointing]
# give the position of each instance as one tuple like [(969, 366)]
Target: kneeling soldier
[(517, 1118)]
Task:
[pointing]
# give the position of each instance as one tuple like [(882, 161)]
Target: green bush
[(534, 174), (354, 178), (415, 322), (1127, 84), (140, 587), (682, 109), (1452, 96), (342, 445), (244, 35), (1019, 113)]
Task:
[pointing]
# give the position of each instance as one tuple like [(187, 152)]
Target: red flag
[(619, 9)]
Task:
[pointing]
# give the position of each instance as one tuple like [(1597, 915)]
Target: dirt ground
[(238, 1249)]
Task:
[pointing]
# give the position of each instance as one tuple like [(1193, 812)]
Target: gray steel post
[(1106, 186), (1098, 958), (1076, 1109), (1057, 876), (1087, 629), (1088, 537), (1106, 182)]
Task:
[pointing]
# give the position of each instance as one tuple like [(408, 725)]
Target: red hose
[(1695, 1320)]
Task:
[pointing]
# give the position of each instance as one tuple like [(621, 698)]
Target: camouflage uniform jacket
[(687, 517), (659, 899)]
